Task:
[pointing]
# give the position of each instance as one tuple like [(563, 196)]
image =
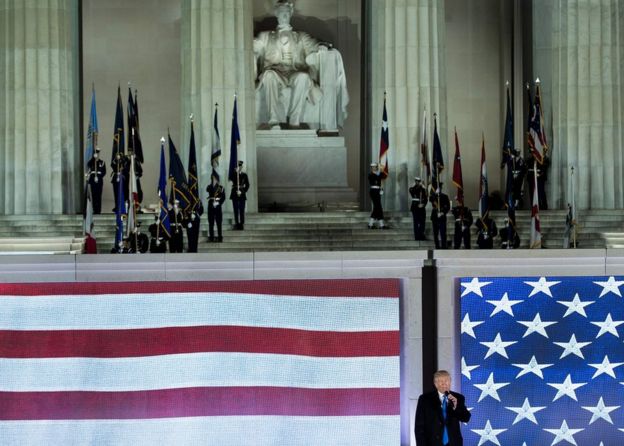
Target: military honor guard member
[(158, 239), (95, 177), (463, 220), (509, 236), (375, 191), (216, 198), (518, 171), (486, 231), (138, 242), (191, 221), (238, 195), (176, 220), (120, 169), (440, 207), (419, 213)]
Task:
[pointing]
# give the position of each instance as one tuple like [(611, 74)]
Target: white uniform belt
[(415, 199), (375, 187)]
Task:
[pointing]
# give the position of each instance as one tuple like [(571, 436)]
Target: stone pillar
[(217, 62), (579, 56), (40, 162), (407, 60)]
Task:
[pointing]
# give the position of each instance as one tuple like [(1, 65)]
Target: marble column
[(40, 160), (217, 62), (407, 61), (579, 54)]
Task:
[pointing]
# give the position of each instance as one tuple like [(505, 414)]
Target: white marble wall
[(40, 165)]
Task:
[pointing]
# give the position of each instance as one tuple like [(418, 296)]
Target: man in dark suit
[(438, 414)]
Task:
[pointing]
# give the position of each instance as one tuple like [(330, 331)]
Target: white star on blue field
[(543, 360)]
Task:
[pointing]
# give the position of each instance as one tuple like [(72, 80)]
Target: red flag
[(457, 173), (538, 146), (536, 234), (384, 143)]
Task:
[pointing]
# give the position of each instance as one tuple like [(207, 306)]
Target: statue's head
[(283, 11)]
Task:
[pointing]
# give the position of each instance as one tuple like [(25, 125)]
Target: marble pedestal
[(297, 169)]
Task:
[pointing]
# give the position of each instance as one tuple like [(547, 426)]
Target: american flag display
[(542, 360), (213, 363)]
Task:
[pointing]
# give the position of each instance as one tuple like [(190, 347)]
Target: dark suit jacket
[(430, 424)]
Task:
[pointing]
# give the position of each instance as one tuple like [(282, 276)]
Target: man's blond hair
[(441, 374)]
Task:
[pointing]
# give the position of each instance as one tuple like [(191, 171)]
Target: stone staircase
[(332, 230)]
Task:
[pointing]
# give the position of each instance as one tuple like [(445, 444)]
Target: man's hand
[(453, 400)]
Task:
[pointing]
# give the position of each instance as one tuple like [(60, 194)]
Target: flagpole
[(573, 222)]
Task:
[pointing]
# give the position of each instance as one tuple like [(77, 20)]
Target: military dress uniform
[(176, 220), (238, 195), (463, 220), (486, 231), (440, 207), (191, 222), (375, 192), (95, 177), (216, 198), (518, 172), (158, 240), (120, 170), (507, 233), (419, 213), (138, 242)]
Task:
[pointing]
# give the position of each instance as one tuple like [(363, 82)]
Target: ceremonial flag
[(88, 211), (120, 214), (193, 181), (457, 173), (163, 216), (119, 142), (216, 146), (134, 142), (425, 165), (510, 203), (179, 185), (234, 142), (438, 161), (538, 145), (138, 149), (536, 234), (92, 132), (133, 199), (384, 143), (542, 360), (263, 363), (484, 199), (508, 142)]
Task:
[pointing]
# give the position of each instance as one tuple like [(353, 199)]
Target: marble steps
[(52, 245)]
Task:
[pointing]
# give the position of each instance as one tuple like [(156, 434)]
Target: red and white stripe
[(536, 232), (223, 363)]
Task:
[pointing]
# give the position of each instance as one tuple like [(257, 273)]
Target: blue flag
[(179, 185), (193, 181), (234, 142), (118, 138), (92, 132), (163, 217)]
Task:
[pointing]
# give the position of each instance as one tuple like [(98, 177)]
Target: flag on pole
[(536, 234), (179, 184), (138, 145), (118, 138), (163, 216), (234, 142), (425, 165), (508, 141), (384, 142), (538, 146), (92, 132), (193, 180), (88, 211), (133, 199), (458, 180), (120, 214), (484, 204), (216, 145), (438, 161)]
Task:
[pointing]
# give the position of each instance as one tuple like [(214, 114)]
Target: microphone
[(446, 393)]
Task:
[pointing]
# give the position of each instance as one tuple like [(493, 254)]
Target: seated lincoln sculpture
[(299, 80)]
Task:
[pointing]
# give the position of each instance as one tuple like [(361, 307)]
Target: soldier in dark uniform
[(158, 240), (518, 171), (176, 220), (419, 214), (191, 222), (238, 195), (463, 220), (95, 177), (138, 241), (542, 177), (486, 231), (375, 191), (508, 232), (120, 168), (216, 197), (440, 206)]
